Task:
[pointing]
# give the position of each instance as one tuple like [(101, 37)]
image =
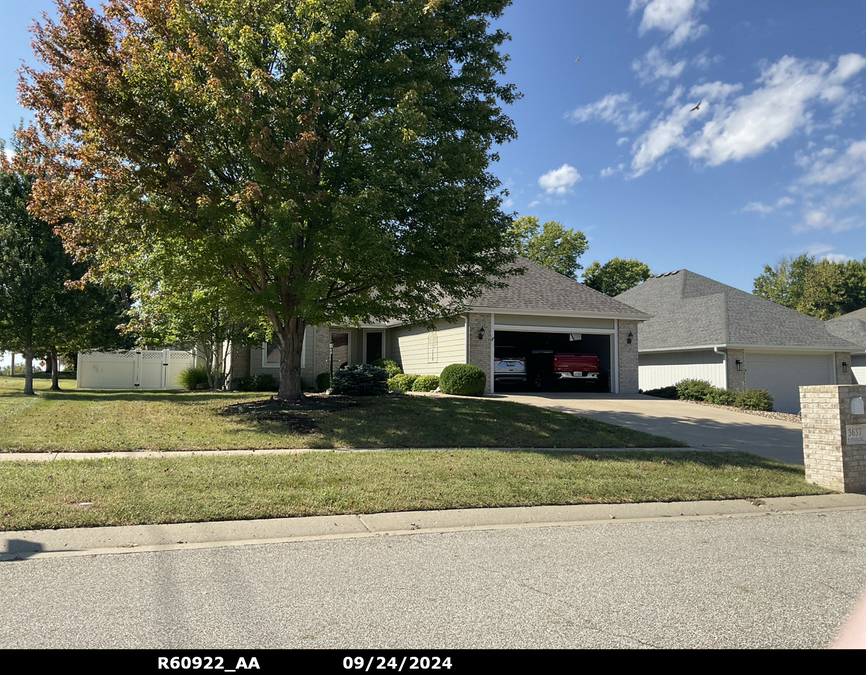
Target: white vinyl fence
[(139, 369)]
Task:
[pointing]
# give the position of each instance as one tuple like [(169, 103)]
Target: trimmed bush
[(323, 381), (721, 396), (391, 367), (190, 378), (401, 382), (258, 382), (361, 380), (663, 392), (754, 399), (463, 379), (693, 390), (426, 383)]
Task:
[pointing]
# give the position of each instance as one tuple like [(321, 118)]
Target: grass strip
[(85, 493)]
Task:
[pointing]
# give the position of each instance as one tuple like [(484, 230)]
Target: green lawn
[(71, 493), (99, 420)]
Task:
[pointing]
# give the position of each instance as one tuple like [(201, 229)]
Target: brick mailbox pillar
[(834, 436)]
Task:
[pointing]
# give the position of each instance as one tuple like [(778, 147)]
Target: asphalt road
[(780, 580)]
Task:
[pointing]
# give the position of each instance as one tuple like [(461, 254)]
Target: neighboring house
[(706, 330), (852, 327), (538, 308)]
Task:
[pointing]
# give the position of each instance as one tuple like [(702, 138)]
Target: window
[(271, 354)]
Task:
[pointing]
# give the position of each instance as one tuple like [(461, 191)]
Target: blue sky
[(773, 162)]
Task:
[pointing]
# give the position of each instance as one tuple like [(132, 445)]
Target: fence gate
[(139, 369)]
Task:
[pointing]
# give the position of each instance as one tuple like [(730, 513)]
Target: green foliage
[(693, 390), (426, 383), (549, 245), (820, 288), (327, 161), (616, 276), (192, 377), (323, 381), (721, 396), (45, 308), (663, 392), (463, 379), (401, 382), (391, 367), (754, 399), (361, 380), (257, 382)]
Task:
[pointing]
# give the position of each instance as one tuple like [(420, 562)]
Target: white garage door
[(783, 374)]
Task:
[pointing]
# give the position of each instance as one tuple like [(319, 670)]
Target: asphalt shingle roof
[(690, 310), (541, 289), (851, 327)]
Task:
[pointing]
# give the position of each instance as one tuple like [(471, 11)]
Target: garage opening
[(562, 361)]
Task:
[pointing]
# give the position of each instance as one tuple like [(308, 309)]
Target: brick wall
[(736, 379), (628, 371), (841, 376), (830, 461), (479, 350)]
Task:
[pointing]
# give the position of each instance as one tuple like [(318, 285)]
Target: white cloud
[(654, 66), (559, 181), (609, 171), (837, 257), (507, 203), (616, 109), (534, 202), (9, 153), (744, 126), (774, 111), (849, 165), (620, 141), (759, 207), (677, 18)]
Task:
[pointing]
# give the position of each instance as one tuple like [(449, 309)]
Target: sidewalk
[(102, 540)]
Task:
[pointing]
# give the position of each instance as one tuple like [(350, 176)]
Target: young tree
[(616, 276), (548, 244), (330, 158), (39, 314)]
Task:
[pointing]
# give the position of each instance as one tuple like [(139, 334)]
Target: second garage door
[(783, 374)]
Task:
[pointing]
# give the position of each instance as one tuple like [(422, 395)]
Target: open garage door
[(527, 361)]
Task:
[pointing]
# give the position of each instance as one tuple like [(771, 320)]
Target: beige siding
[(665, 369), (423, 352), (548, 321), (858, 368)]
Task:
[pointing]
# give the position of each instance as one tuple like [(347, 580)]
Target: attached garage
[(783, 374)]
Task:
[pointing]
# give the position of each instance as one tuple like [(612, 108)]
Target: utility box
[(834, 436)]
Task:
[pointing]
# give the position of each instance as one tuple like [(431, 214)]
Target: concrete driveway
[(700, 426)]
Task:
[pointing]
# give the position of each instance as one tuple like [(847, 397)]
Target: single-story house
[(705, 330), (852, 327), (537, 307)]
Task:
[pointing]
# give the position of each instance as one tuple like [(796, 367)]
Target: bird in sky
[(697, 106), (577, 59)]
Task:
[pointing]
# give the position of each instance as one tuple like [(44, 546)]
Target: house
[(852, 327), (706, 330), (539, 307)]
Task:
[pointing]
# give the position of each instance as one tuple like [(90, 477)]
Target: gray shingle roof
[(851, 327), (541, 289), (690, 310)]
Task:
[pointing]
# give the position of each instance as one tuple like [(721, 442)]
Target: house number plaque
[(856, 434)]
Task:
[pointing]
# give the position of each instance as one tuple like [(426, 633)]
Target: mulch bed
[(291, 414)]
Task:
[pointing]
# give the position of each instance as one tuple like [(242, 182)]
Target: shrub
[(463, 379), (663, 392), (391, 367), (426, 383), (258, 382), (401, 382), (754, 399), (323, 381), (360, 381), (694, 390), (190, 378), (721, 396)]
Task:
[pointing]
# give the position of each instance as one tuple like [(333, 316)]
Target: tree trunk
[(291, 343), (52, 362), (28, 371)]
